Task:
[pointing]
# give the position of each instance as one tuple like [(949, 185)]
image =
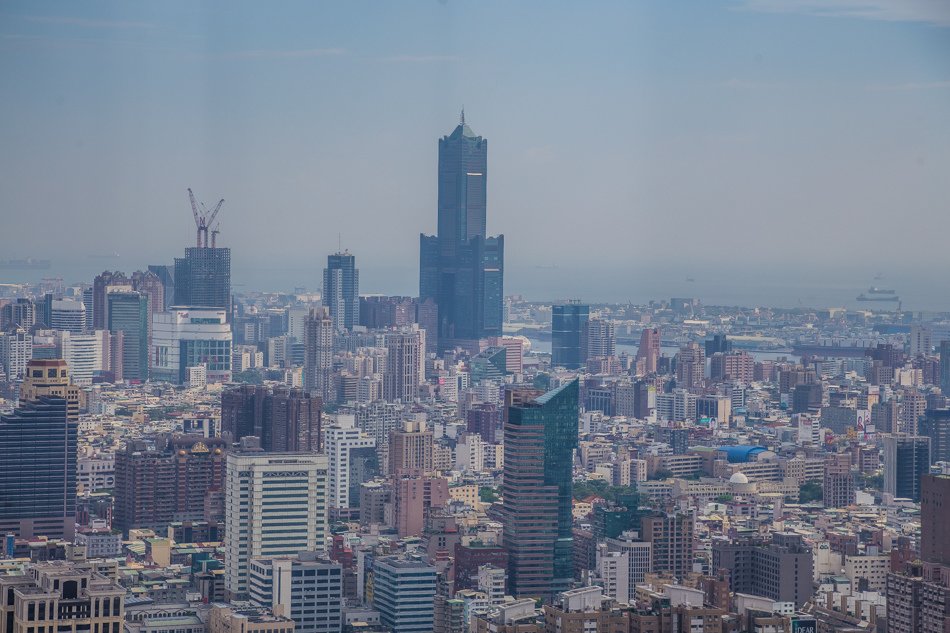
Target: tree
[(810, 491), (488, 495)]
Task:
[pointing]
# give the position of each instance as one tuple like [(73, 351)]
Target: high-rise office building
[(186, 337), (461, 268), (405, 364), (569, 329), (410, 448), (275, 505), (935, 424), (690, 366), (52, 377), (169, 478), (404, 593), (85, 354), (38, 470), (341, 290), (318, 355), (307, 587), (945, 367), (906, 460), (921, 340), (934, 517), (285, 419), (344, 444), (105, 283), (16, 350), (838, 489), (19, 313), (670, 536), (166, 275), (649, 350), (67, 315), (780, 569), (601, 338), (128, 313), (203, 278), (540, 436)]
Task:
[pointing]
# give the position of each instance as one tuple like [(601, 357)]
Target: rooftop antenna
[(339, 242), (462, 116)]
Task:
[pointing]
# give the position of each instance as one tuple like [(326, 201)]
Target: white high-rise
[(68, 315), (16, 350), (275, 505), (341, 438), (84, 353)]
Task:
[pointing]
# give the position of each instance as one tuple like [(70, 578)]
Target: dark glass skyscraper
[(569, 335), (38, 470), (540, 437), (341, 290), (203, 278), (128, 313), (462, 268)]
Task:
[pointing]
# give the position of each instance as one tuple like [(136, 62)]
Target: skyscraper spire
[(462, 117)]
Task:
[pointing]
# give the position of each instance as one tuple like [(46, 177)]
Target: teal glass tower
[(462, 268), (540, 438)]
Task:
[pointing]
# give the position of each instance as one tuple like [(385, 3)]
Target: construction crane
[(203, 219)]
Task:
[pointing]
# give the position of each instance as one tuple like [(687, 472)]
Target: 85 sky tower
[(461, 268)]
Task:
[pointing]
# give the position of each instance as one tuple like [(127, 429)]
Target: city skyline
[(737, 118)]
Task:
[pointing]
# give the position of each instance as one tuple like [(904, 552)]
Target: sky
[(770, 150)]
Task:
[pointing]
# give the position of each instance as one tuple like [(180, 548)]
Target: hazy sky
[(626, 140)]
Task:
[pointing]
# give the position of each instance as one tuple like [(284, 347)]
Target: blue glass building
[(569, 335), (341, 290), (462, 268)]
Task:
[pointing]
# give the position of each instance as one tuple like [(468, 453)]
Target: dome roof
[(738, 478)]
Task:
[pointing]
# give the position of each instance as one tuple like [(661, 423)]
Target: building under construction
[(203, 275)]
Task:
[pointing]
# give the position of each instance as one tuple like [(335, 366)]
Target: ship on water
[(24, 264), (879, 294)]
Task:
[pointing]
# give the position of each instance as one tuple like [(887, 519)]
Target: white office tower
[(16, 349), (637, 562), (341, 438), (470, 453), (84, 353), (67, 315), (275, 505), (307, 587), (403, 593), (187, 337)]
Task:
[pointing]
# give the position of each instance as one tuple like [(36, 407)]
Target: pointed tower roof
[(462, 129)]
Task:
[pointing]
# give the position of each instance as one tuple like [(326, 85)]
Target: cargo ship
[(24, 264)]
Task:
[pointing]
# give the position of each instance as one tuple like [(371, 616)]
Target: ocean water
[(752, 286)]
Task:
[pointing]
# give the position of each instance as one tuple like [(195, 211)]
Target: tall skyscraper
[(540, 437), (934, 517), (345, 443), (945, 367), (38, 470), (102, 285), (67, 315), (462, 268), (16, 349), (569, 329), (601, 338), (906, 460), (405, 364), (341, 290), (285, 419), (275, 505), (128, 313), (318, 355), (203, 278), (935, 424), (649, 350)]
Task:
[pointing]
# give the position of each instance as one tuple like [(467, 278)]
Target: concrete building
[(306, 588), (67, 315), (61, 597), (906, 460), (275, 505), (188, 336), (780, 569), (86, 354), (285, 419), (403, 593), (233, 619), (410, 448), (343, 439), (16, 349)]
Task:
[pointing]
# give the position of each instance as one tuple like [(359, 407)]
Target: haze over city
[(736, 143)]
